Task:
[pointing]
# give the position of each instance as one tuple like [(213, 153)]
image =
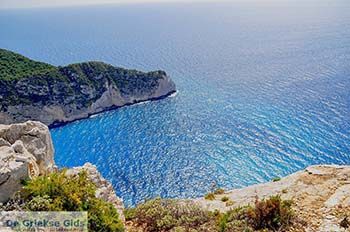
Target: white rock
[(26, 151)]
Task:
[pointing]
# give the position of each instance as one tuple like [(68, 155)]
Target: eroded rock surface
[(26, 151)]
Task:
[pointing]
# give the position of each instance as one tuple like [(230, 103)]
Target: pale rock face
[(104, 190), (26, 151)]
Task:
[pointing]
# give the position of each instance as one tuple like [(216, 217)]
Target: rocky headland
[(31, 90)]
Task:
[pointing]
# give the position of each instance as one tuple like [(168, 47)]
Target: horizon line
[(38, 4), (107, 2)]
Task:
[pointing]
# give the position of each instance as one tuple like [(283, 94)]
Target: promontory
[(32, 90)]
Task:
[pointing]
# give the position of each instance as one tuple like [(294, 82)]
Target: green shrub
[(103, 217), (233, 220), (67, 193), (344, 223), (165, 215), (58, 192), (272, 213), (225, 199), (219, 191), (230, 203), (209, 196), (129, 214), (39, 203), (276, 179)]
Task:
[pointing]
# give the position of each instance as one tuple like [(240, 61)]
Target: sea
[(263, 89)]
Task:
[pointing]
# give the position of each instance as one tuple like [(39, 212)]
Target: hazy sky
[(53, 3)]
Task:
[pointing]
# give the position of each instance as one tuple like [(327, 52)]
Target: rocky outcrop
[(26, 151), (57, 95), (321, 196)]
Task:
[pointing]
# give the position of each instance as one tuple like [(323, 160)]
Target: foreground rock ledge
[(321, 196)]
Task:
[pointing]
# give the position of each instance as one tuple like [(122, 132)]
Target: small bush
[(225, 199), (276, 179), (219, 191), (229, 203), (169, 215), (58, 192), (129, 214), (233, 220), (39, 203), (272, 213), (209, 196), (345, 223), (103, 216)]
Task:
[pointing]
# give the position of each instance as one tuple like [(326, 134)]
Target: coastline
[(89, 115)]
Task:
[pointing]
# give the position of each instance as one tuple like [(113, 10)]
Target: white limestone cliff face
[(321, 196), (26, 151)]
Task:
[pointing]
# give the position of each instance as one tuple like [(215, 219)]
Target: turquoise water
[(263, 90)]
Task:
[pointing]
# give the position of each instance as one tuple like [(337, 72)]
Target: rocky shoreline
[(62, 123)]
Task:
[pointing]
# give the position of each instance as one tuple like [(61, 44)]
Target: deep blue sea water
[(263, 90)]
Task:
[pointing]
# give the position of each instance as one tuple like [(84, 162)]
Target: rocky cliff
[(26, 151), (31, 90)]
